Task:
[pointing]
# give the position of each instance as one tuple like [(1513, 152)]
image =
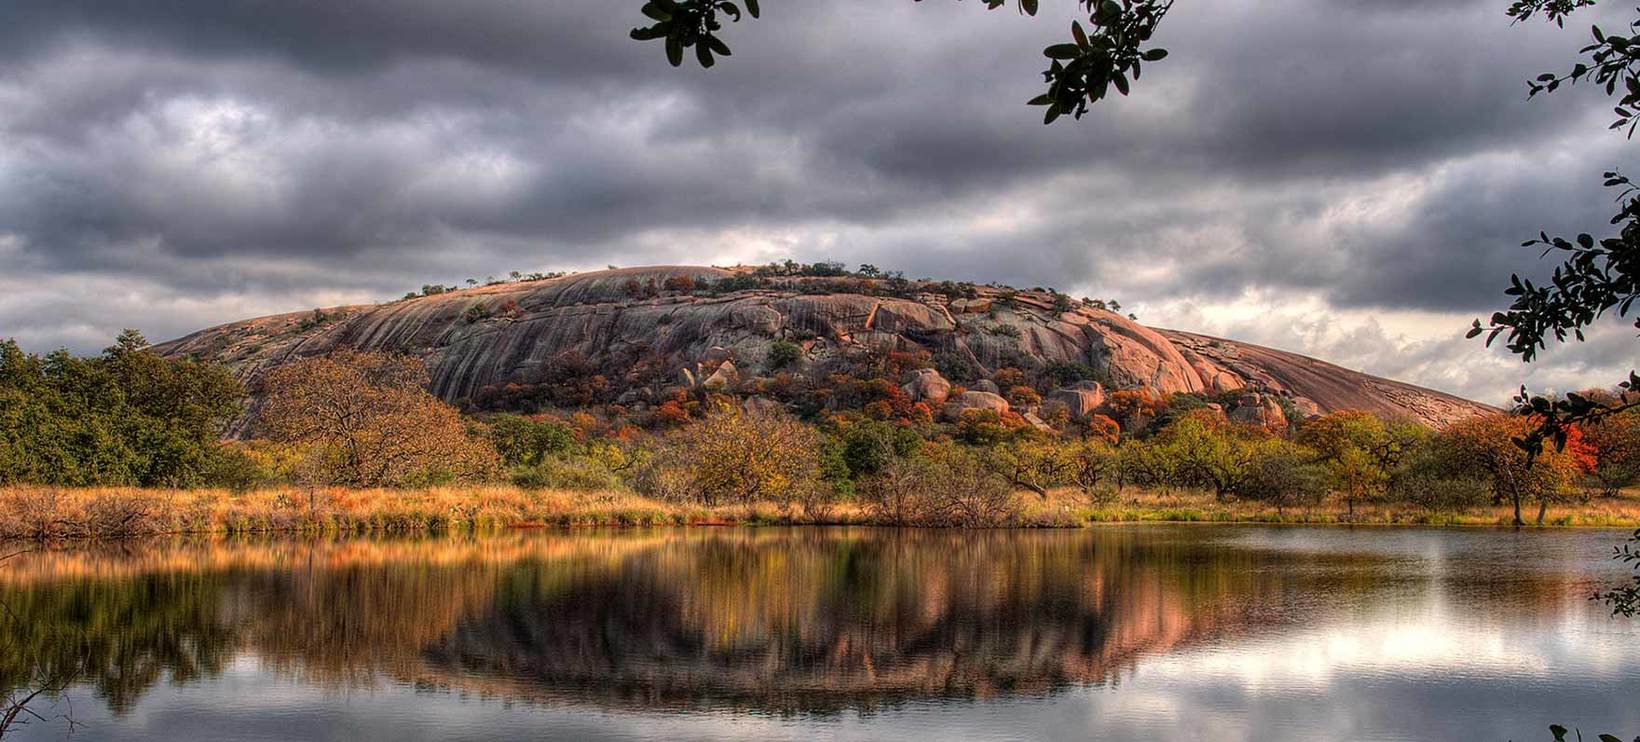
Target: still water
[(1127, 632)]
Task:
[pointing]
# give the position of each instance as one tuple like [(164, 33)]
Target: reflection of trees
[(767, 619), (120, 637), (817, 619)]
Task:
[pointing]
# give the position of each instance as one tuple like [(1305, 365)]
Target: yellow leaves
[(370, 421)]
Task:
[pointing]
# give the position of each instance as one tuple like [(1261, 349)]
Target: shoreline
[(111, 514)]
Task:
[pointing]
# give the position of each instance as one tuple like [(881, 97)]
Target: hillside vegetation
[(354, 439)]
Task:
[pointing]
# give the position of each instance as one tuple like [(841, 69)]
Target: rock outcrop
[(650, 328), (1081, 400), (927, 385)]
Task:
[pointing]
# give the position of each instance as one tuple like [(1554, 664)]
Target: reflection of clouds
[(1435, 645), (1205, 632)]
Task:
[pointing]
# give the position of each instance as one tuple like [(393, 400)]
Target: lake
[(1210, 632)]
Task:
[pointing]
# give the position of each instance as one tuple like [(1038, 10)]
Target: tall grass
[(46, 513)]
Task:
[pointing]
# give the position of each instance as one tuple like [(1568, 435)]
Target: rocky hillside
[(632, 336)]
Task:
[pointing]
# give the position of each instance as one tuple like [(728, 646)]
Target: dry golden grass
[(47, 513), (1065, 507)]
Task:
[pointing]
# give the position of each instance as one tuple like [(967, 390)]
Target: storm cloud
[(1343, 178)]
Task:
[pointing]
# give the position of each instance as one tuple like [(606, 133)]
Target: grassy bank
[(45, 513)]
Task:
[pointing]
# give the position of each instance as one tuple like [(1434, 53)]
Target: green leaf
[(1154, 55), (656, 11), (1080, 35), (703, 54), (1029, 6), (1062, 51), (1041, 100), (751, 7), (648, 34), (674, 48)]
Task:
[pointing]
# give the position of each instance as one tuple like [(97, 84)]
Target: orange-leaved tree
[(1487, 445), (370, 422)]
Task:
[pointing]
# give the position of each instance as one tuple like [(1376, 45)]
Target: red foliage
[(671, 413), (1581, 450), (1105, 429)]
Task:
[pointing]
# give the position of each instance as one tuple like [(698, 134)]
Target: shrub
[(1066, 373), (981, 427), (868, 446), (1285, 475), (1023, 396), (577, 473), (732, 456), (1442, 494), (523, 441), (945, 486), (783, 353), (956, 367), (1101, 427)]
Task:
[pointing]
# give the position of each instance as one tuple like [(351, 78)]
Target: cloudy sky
[(1345, 178)]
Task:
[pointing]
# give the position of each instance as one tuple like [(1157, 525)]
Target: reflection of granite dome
[(822, 621), (621, 321)]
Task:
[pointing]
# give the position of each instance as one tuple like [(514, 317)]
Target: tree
[(370, 421), (1210, 451), (126, 417), (1285, 475), (734, 457), (1105, 55), (524, 441), (1487, 445), (1615, 440), (1360, 450)]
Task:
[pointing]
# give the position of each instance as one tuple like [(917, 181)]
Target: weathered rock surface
[(656, 338), (1254, 408), (975, 401), (1081, 400), (927, 385)]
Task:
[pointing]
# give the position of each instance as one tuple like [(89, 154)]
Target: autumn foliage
[(369, 421)]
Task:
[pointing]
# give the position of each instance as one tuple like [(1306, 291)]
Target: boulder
[(971, 306), (1080, 399), (975, 401), (927, 385), (1255, 408), (724, 377), (1037, 422), (716, 355), (986, 385), (1307, 408)]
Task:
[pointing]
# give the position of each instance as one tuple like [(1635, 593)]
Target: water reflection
[(806, 621)]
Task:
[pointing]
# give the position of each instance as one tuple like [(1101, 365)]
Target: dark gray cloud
[(225, 158)]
